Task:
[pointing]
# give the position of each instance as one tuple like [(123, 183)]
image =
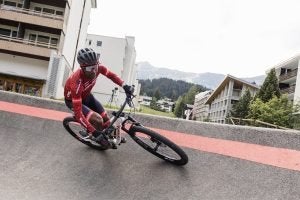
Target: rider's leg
[(96, 106), (95, 119)]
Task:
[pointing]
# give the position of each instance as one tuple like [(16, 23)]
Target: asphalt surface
[(39, 160)]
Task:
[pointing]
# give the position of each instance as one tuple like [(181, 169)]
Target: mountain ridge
[(208, 79)]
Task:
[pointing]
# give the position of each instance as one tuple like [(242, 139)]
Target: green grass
[(148, 110), (144, 109)]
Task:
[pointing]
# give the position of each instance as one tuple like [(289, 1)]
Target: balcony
[(26, 47), (289, 90), (31, 17), (288, 75)]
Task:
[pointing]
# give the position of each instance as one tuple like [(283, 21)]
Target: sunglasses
[(91, 68)]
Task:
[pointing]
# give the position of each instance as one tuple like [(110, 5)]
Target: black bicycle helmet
[(86, 57)]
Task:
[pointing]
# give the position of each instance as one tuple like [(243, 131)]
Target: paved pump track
[(39, 160)]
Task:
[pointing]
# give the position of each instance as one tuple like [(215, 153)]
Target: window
[(5, 32), (1, 84), (59, 13), (14, 33), (19, 87), (49, 11), (54, 41), (32, 90), (32, 37), (9, 3), (1, 1), (234, 102), (38, 9), (9, 86), (98, 55), (99, 43), (43, 39), (90, 42)]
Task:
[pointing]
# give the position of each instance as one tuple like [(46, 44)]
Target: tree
[(167, 87), (178, 111), (157, 94), (279, 111), (190, 95), (269, 88), (241, 109), (153, 104)]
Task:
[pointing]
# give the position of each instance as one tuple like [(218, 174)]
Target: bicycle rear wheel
[(158, 145), (77, 131)]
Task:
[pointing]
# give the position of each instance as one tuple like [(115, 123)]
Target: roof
[(203, 94), (224, 83), (285, 62)]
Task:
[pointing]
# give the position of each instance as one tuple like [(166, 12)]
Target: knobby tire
[(66, 124), (160, 139)]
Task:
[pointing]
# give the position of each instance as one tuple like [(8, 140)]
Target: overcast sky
[(239, 37)]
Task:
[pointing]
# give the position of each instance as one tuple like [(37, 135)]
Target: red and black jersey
[(77, 88)]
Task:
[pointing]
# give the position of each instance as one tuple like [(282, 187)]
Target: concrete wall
[(74, 30), (262, 136), (22, 66)]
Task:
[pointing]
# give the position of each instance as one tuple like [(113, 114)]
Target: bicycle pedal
[(123, 140), (114, 146)]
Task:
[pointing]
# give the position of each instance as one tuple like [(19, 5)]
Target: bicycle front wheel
[(158, 145)]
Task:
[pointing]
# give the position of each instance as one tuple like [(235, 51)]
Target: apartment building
[(289, 78), (201, 110), (226, 95), (166, 104), (38, 43), (145, 100), (118, 54)]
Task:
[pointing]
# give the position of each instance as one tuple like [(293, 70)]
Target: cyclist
[(78, 97)]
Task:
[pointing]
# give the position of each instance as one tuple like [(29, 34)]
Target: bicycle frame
[(124, 120)]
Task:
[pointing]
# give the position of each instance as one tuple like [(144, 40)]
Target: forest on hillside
[(165, 87)]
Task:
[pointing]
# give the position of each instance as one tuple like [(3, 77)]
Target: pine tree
[(241, 109), (157, 94), (178, 110), (269, 88), (190, 95)]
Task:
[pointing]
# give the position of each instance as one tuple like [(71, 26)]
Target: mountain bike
[(148, 139)]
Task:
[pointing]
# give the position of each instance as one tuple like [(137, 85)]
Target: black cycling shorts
[(88, 104)]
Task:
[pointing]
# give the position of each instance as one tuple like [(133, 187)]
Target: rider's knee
[(96, 120)]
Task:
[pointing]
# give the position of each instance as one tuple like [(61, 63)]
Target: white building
[(225, 95), (201, 110), (166, 104), (38, 43), (118, 54), (289, 78), (145, 100)]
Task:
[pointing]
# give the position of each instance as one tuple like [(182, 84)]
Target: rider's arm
[(77, 107), (112, 76)]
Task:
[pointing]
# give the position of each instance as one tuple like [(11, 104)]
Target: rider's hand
[(128, 89)]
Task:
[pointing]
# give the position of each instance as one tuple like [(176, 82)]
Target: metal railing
[(252, 122), (31, 12), (288, 90), (28, 42), (288, 75)]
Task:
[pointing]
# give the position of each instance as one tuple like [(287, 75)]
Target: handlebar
[(128, 100)]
